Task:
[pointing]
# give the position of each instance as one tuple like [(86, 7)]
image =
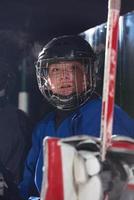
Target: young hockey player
[(66, 77)]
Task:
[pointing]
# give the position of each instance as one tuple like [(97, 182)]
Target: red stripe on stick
[(109, 76)]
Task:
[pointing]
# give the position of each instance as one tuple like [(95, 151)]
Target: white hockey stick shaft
[(109, 75)]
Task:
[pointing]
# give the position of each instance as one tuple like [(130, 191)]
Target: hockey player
[(15, 130), (66, 77)]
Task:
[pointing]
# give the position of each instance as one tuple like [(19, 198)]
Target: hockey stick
[(109, 75)]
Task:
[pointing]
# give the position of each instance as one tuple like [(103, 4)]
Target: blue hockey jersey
[(86, 120)]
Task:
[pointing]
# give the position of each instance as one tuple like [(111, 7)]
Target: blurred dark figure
[(15, 137)]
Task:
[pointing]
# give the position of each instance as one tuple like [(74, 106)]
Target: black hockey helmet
[(66, 48)]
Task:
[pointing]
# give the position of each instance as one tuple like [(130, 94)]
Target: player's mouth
[(66, 89)]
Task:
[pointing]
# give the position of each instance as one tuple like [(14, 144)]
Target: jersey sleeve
[(27, 185)]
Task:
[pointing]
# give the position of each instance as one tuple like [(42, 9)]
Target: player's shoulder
[(120, 112), (44, 122), (93, 105), (39, 130)]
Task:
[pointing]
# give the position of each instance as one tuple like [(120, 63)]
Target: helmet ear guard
[(66, 48)]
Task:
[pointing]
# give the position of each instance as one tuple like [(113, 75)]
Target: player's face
[(67, 77)]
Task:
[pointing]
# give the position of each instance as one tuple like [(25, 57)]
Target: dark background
[(22, 22)]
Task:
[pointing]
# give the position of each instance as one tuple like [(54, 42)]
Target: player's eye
[(54, 70), (74, 67)]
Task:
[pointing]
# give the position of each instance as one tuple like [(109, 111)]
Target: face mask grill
[(65, 100)]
